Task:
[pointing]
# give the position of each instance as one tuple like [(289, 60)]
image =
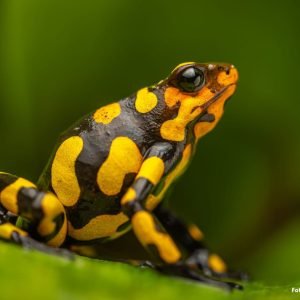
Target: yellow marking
[(64, 179), (7, 229), (173, 130), (195, 232), (107, 113), (151, 202), (129, 196), (152, 169), (189, 109), (226, 79), (101, 226), (124, 157), (145, 230), (145, 101), (9, 195), (174, 96), (217, 109), (216, 263), (51, 208)]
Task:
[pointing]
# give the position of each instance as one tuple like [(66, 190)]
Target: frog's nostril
[(225, 68), (228, 69)]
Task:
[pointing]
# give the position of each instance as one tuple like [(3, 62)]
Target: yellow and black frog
[(110, 172)]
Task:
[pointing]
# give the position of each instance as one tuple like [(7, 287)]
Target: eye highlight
[(190, 79)]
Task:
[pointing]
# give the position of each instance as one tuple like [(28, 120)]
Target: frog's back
[(95, 162)]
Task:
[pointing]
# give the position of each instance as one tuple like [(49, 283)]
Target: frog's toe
[(236, 275), (147, 264), (213, 266), (227, 285)]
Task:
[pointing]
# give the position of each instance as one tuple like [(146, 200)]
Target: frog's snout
[(228, 75), (232, 74)]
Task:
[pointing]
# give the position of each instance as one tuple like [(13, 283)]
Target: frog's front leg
[(157, 162), (145, 226), (44, 212), (190, 237)]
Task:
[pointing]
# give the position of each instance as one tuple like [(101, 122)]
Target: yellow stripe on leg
[(152, 169), (9, 196), (145, 229), (7, 229), (52, 208), (129, 196), (216, 263), (195, 232)]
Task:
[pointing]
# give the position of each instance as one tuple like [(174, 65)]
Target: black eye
[(191, 79)]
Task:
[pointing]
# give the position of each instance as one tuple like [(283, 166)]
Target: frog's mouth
[(224, 94), (215, 97)]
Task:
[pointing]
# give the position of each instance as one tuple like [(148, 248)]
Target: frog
[(111, 172)]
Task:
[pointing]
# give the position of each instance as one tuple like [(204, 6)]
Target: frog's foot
[(184, 271), (213, 265)]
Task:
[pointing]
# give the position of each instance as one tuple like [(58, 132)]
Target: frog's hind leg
[(168, 259), (44, 212), (190, 237)]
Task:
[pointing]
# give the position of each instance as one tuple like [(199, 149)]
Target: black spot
[(207, 117)]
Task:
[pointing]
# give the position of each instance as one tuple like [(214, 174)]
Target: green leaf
[(32, 275)]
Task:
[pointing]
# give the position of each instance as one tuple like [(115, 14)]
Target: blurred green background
[(61, 59)]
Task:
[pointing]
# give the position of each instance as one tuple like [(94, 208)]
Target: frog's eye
[(190, 79)]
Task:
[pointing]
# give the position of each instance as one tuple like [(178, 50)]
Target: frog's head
[(199, 92)]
